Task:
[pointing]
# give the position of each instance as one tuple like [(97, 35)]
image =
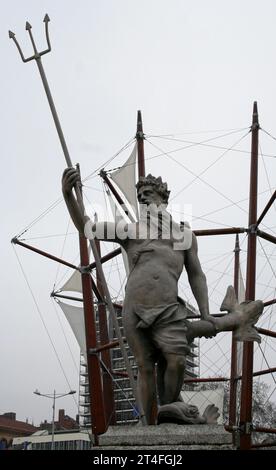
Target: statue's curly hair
[(157, 184)]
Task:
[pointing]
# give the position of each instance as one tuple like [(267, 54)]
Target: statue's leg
[(145, 355), (147, 388), (161, 368), (173, 376)]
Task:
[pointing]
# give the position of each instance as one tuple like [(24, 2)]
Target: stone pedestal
[(166, 437)]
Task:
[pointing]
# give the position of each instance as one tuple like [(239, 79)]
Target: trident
[(37, 57)]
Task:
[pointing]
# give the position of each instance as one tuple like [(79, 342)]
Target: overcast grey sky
[(191, 67)]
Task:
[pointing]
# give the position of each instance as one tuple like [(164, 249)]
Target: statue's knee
[(176, 362), (145, 368), (181, 362)]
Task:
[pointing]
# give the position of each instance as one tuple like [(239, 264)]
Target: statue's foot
[(179, 413)]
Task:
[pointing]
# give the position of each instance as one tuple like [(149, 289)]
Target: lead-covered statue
[(154, 316)]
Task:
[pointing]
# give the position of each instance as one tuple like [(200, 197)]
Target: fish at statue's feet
[(249, 312)]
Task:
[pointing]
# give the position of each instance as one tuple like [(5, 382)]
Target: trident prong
[(46, 21), (37, 54), (29, 29), (12, 36)]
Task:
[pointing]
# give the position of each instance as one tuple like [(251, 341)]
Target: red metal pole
[(264, 372), (207, 379), (105, 354), (267, 332), (140, 145), (266, 236), (67, 297), (115, 194), (247, 369), (261, 372), (58, 260), (15, 241), (107, 257), (233, 373), (98, 420), (267, 207), (267, 430), (269, 302), (219, 231), (111, 187), (110, 345)]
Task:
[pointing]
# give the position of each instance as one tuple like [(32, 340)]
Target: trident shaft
[(37, 57)]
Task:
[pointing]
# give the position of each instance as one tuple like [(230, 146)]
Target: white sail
[(75, 318), (125, 179), (73, 284)]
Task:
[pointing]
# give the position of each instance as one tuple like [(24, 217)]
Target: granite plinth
[(166, 436)]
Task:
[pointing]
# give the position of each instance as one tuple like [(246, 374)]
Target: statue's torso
[(155, 267)]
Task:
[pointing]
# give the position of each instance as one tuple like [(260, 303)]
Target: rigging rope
[(56, 235), (267, 177), (268, 366), (268, 133), (266, 338), (117, 385), (201, 179), (231, 131), (192, 144), (268, 260), (230, 205), (110, 159), (43, 322), (60, 199), (212, 164), (38, 218)]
